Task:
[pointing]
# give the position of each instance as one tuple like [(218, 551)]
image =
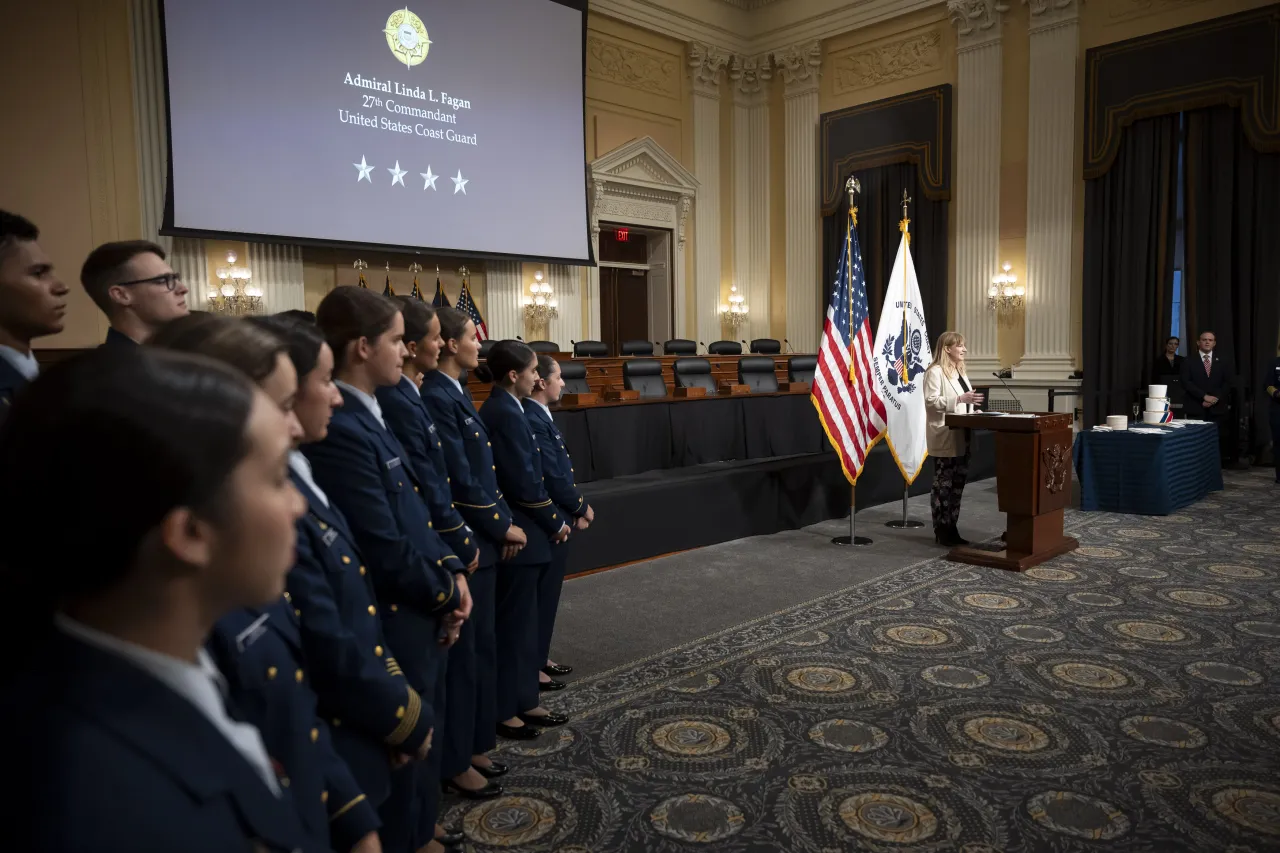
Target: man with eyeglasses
[(33, 301), (135, 287)]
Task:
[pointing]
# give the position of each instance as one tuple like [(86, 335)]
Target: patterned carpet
[(1123, 697)]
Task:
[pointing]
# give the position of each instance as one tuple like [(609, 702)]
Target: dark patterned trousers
[(949, 475)]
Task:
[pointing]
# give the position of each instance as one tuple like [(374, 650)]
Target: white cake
[(1117, 421), (1156, 408)]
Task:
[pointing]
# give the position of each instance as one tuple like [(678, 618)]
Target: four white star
[(459, 183), (397, 175), (430, 179), (365, 169)]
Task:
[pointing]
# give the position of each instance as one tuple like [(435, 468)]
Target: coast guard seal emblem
[(407, 37), (901, 354)]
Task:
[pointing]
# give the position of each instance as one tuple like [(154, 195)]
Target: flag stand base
[(851, 540), (909, 524)]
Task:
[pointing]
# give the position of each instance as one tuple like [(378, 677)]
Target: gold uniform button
[(439, 596), (490, 443), (400, 713), (315, 735), (395, 608), (399, 484), (496, 516), (553, 515), (466, 541), (286, 596), (438, 444), (297, 612), (271, 672), (323, 526), (346, 561), (297, 676), (431, 525), (324, 796), (362, 571), (477, 435), (415, 488), (377, 650), (372, 610), (495, 467), (440, 563), (284, 781), (447, 480)]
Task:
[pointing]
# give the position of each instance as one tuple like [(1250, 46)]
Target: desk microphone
[(788, 343), (997, 375), (520, 339), (705, 347)]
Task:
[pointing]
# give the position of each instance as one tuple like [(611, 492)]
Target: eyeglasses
[(170, 280)]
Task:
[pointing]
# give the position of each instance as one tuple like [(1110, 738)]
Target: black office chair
[(766, 346), (725, 348), (485, 346), (680, 346), (590, 349), (574, 374), (756, 371), (636, 348), (694, 373), (544, 347), (800, 368), (644, 375)]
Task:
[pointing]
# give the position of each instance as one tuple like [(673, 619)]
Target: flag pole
[(906, 523), (853, 187)]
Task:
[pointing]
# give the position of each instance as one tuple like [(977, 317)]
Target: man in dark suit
[(32, 303), (135, 287), (1206, 377)]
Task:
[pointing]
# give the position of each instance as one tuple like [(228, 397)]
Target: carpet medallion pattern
[(1125, 696)]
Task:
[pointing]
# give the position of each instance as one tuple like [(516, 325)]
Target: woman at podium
[(947, 391)]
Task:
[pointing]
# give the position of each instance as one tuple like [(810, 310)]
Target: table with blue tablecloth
[(1147, 473)]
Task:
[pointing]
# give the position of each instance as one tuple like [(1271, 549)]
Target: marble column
[(977, 176), (1055, 43), (706, 64), (800, 66), (566, 327), (503, 286), (750, 76)]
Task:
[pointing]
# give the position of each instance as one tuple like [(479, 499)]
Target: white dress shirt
[(370, 402), (456, 383), (24, 364), (302, 467), (543, 405), (200, 684)]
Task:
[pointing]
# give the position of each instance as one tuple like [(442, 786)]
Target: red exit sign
[(623, 235)]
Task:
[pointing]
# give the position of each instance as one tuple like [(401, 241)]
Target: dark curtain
[(879, 212), (1130, 226), (1233, 250)]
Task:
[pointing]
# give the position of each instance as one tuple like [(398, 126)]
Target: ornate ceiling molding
[(749, 75), (977, 21), (1046, 14), (800, 65), (706, 62)]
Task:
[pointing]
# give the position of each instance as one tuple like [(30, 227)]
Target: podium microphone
[(704, 346), (997, 375), (788, 343)]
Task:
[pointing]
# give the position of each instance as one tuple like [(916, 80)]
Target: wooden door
[(624, 306)]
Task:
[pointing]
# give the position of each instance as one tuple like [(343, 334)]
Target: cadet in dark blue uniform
[(259, 650), (32, 302), (1271, 383), (131, 282), (421, 584), (514, 370), (362, 692), (118, 726), (407, 415), (557, 477), (473, 480)]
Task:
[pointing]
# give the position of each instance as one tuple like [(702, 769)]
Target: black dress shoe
[(544, 686), (451, 839), (518, 732), (488, 792), (554, 669), (955, 534), (551, 718), (493, 771)]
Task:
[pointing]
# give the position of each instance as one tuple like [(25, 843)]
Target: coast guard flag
[(467, 306), (439, 300), (844, 388), (902, 355)]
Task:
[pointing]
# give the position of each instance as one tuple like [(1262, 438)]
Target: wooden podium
[(1033, 487)]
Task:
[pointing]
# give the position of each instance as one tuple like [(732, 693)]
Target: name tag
[(393, 463), (468, 421), (432, 429), (250, 635), (329, 537)]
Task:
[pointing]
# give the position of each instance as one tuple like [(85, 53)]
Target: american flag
[(467, 306), (844, 388)]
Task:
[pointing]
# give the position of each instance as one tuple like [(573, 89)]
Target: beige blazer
[(941, 398)]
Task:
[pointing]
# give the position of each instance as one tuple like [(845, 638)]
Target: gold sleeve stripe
[(348, 807), (409, 721), (534, 506), (474, 506), (449, 529)]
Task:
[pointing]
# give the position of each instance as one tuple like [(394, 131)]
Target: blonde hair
[(941, 358)]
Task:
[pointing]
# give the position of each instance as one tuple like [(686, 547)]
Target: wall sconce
[(1005, 295), (736, 313), (236, 295), (541, 307)]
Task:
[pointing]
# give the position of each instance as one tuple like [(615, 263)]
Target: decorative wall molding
[(706, 64), (616, 62), (749, 4), (749, 75), (1046, 14), (862, 67), (974, 19), (640, 184), (800, 66)]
